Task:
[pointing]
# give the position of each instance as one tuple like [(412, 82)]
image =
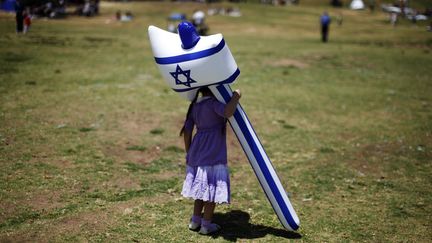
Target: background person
[(325, 26)]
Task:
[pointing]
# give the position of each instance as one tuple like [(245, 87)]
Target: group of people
[(49, 9), (88, 9), (23, 18), (126, 17), (198, 21)]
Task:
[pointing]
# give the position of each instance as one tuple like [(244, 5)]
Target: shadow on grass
[(235, 225)]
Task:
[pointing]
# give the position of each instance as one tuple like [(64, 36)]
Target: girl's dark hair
[(189, 111), (203, 90)]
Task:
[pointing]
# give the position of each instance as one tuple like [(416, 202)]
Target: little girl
[(207, 178), (27, 21)]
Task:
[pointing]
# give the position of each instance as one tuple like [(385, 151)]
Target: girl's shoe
[(194, 226), (195, 223), (209, 229)]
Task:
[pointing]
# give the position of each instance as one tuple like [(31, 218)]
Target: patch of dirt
[(134, 125), (121, 153), (95, 221), (48, 230), (129, 133), (288, 63), (166, 175), (373, 159), (320, 57), (51, 160), (84, 223), (123, 182), (235, 151), (7, 210), (45, 200)]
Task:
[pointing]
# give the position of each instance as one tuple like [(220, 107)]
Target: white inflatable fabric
[(209, 62), (201, 72)]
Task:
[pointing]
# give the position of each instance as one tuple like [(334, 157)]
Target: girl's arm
[(187, 136), (230, 107)]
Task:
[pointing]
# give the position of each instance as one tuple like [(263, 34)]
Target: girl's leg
[(198, 207), (195, 222), (209, 208), (206, 226)]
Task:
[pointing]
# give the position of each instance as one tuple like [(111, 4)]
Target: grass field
[(89, 146)]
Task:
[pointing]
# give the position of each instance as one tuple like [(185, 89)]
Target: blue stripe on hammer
[(261, 163), (190, 56), (230, 79)]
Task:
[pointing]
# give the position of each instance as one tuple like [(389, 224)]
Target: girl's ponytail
[(189, 111)]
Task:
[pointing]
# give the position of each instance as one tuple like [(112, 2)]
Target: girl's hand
[(230, 107), (237, 91)]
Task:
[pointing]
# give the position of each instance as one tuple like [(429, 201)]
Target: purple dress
[(207, 176)]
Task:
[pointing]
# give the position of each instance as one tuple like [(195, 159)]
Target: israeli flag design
[(208, 62), (188, 61)]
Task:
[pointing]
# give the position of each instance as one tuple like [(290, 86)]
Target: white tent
[(357, 5)]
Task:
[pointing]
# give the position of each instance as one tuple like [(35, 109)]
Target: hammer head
[(188, 61)]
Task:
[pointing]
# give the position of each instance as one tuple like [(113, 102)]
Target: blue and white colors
[(259, 160), (209, 62)]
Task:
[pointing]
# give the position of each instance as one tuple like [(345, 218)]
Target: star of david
[(186, 73)]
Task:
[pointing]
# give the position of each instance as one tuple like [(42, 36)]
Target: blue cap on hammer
[(188, 34)]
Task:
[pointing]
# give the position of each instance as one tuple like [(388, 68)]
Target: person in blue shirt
[(325, 25)]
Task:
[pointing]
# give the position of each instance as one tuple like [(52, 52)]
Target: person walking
[(325, 26), (19, 16)]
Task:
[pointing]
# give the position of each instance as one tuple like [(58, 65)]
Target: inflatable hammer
[(188, 61)]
